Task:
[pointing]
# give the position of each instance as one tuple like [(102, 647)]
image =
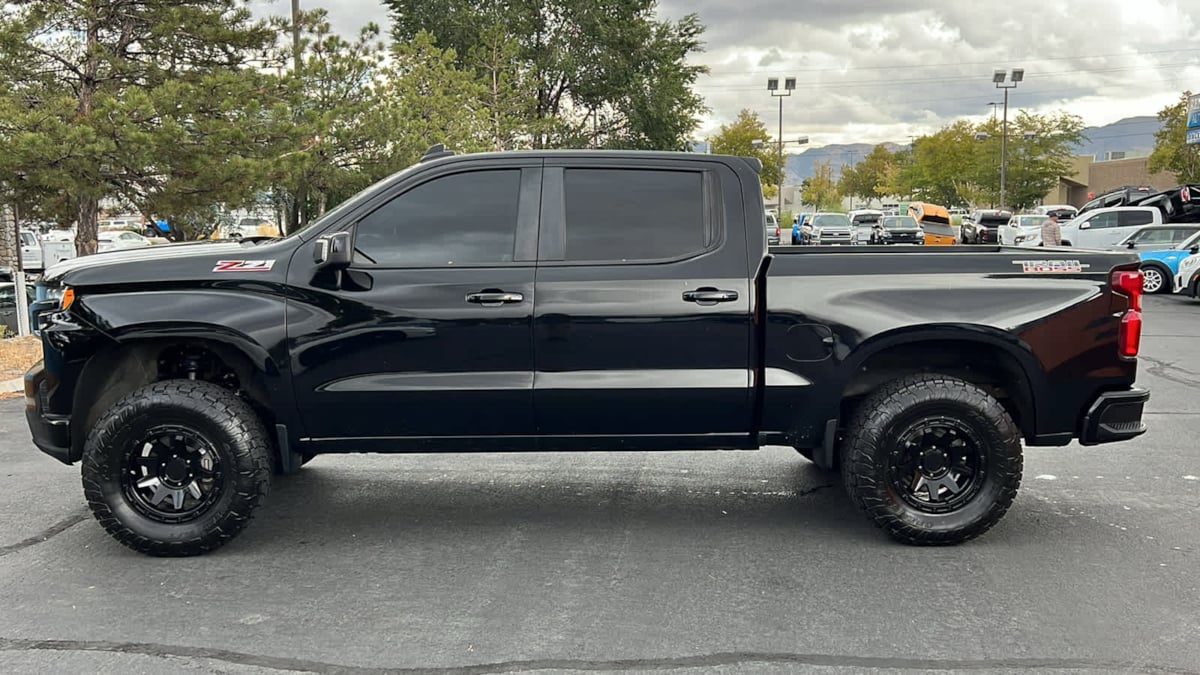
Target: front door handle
[(709, 296), (495, 298)]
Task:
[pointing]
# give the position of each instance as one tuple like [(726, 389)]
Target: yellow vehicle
[(246, 227), (935, 221)]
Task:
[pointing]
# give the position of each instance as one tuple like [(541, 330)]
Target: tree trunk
[(322, 198), (85, 228), (87, 206)]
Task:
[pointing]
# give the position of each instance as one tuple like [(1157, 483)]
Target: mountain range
[(1133, 136)]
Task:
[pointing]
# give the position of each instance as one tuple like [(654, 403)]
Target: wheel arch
[(1167, 274), (145, 355), (976, 353)]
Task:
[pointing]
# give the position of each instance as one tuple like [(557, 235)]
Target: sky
[(870, 71)]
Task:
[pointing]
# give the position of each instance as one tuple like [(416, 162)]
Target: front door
[(642, 321), (426, 338)]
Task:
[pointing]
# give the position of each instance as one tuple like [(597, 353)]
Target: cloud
[(882, 70)]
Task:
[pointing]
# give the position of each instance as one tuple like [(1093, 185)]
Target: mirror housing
[(1084, 226), (1194, 250), (1131, 245), (333, 250)]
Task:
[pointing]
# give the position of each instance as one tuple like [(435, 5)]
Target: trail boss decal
[(1050, 266), (244, 266)]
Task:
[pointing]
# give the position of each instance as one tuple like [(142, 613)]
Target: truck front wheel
[(176, 468), (933, 460)]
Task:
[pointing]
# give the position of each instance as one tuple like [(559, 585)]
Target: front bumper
[(51, 433), (1114, 416)]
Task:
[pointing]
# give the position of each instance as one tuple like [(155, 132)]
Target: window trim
[(524, 237), (553, 233)]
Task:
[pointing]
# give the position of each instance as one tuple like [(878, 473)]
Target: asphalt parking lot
[(713, 562)]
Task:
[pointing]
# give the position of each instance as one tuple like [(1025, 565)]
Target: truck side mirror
[(1131, 245), (1084, 226), (333, 250), (1194, 250)]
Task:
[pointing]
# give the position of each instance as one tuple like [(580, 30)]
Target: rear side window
[(633, 214), (1134, 218), (458, 219)]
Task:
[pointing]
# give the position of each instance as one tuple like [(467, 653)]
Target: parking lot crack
[(1171, 372), (45, 535), (665, 663)]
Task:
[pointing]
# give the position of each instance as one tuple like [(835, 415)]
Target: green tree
[(1040, 150), (820, 189), (737, 138), (945, 164), (1171, 151), (325, 139), (599, 73), (870, 178), (157, 102)]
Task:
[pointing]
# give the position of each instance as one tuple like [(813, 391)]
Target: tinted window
[(866, 219), (641, 214), (1155, 237), (460, 219), (1133, 218), (1104, 220)]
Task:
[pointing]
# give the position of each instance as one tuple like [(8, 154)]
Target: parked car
[(1187, 280), (8, 305), (1022, 230), (39, 251), (1180, 204), (1106, 228), (1158, 237), (827, 229), (247, 227), (1161, 265), (118, 239), (934, 221), (982, 226), (772, 229), (1125, 195), (897, 230), (863, 222), (579, 300)]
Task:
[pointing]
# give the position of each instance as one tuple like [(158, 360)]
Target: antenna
[(437, 152)]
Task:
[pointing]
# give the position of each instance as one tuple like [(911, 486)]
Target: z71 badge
[(244, 266), (1050, 266)]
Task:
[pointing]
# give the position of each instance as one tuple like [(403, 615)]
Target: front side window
[(1103, 221), (634, 214), (459, 219)]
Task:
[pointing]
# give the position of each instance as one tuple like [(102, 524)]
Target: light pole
[(994, 104), (759, 142), (789, 84), (998, 78)]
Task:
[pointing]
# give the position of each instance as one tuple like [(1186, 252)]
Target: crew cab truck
[(574, 301)]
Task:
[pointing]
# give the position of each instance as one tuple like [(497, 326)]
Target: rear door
[(642, 319), (1130, 220)]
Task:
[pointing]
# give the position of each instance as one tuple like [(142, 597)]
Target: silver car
[(828, 229)]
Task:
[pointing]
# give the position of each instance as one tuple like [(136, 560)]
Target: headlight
[(887, 235), (63, 295)]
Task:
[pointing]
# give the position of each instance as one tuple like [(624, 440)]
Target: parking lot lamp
[(999, 78)]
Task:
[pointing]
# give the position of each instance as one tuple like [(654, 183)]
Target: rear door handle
[(709, 296), (495, 298)]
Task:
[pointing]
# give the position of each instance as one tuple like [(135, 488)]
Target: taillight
[(1130, 338), (1128, 283)]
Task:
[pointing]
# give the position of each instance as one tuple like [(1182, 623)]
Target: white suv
[(1104, 229)]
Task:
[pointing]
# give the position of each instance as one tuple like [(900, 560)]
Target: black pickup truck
[(574, 301)]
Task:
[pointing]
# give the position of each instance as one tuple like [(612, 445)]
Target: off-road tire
[(218, 415), (865, 455)]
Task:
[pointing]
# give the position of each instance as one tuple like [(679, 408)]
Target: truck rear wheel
[(176, 468), (933, 460)]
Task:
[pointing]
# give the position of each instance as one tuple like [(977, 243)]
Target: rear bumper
[(51, 433), (1114, 416)]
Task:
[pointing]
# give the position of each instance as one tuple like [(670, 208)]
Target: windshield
[(900, 223), (1030, 221), (831, 220), (993, 220), (865, 218), (357, 198)]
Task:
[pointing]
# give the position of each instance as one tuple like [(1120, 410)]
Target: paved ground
[(693, 562)]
